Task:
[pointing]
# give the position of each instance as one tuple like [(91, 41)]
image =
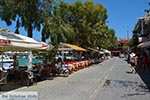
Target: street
[(109, 80)]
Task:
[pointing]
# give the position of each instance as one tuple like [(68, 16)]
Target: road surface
[(109, 80)]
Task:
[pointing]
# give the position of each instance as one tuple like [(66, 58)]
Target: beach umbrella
[(10, 41)]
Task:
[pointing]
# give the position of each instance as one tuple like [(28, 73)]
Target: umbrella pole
[(62, 56), (29, 60)]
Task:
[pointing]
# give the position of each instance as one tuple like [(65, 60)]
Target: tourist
[(133, 62), (15, 64)]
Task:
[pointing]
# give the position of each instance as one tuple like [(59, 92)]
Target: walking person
[(133, 62), (128, 58)]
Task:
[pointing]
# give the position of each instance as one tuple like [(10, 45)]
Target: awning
[(68, 47), (10, 41), (92, 49), (116, 51), (146, 44), (106, 51), (95, 50), (101, 52), (141, 44)]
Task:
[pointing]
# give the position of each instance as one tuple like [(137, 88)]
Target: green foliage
[(81, 23), (134, 41), (26, 13)]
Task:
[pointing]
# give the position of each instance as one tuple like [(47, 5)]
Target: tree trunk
[(30, 30), (43, 37)]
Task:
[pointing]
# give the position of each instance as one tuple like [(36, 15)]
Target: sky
[(122, 16)]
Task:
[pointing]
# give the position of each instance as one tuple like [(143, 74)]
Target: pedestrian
[(133, 62), (16, 69), (58, 65), (128, 58), (15, 64)]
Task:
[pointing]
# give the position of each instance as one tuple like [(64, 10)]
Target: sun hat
[(132, 54)]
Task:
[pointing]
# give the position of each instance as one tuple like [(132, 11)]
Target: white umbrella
[(15, 42), (10, 41)]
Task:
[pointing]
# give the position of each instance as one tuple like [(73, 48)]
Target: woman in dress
[(133, 62)]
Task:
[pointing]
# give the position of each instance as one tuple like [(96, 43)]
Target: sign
[(4, 42)]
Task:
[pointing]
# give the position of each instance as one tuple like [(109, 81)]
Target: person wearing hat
[(133, 62)]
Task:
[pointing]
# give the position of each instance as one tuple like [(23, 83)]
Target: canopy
[(10, 41), (140, 45), (106, 51), (144, 44), (116, 51), (92, 49), (95, 50), (68, 47)]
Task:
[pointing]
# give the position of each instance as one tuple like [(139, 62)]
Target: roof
[(144, 44), (67, 47), (124, 41)]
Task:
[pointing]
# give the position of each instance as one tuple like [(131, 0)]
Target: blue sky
[(122, 16)]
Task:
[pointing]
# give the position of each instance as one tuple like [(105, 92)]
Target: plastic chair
[(3, 78)]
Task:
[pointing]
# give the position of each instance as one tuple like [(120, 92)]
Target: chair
[(3, 78), (41, 73), (29, 77)]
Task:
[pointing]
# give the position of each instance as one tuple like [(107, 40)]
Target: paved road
[(110, 80)]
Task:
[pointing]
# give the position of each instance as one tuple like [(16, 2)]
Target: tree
[(46, 9), (55, 25), (83, 24), (80, 23), (89, 23), (26, 13), (134, 41), (7, 11)]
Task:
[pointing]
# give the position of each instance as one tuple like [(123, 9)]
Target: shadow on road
[(129, 72)]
